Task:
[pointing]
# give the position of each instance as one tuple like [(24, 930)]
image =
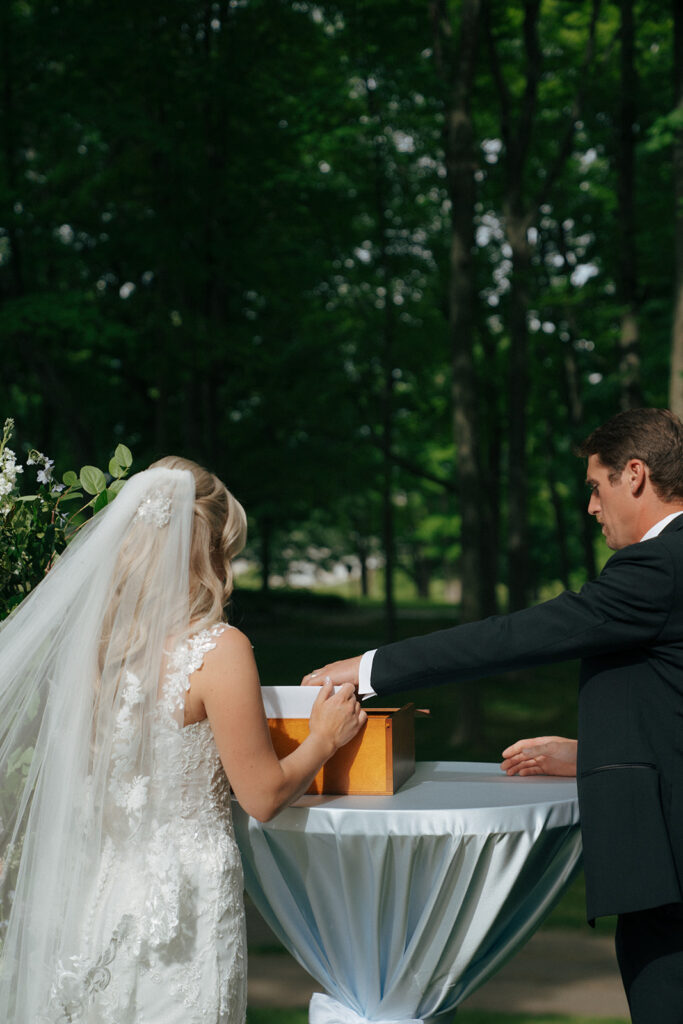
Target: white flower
[(44, 475), (8, 476)]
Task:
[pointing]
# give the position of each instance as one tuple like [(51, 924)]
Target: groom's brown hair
[(655, 436)]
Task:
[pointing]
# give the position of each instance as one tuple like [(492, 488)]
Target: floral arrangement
[(35, 528)]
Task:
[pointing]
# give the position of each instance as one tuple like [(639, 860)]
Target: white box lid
[(289, 701)]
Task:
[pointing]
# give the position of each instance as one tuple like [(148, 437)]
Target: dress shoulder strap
[(187, 658)]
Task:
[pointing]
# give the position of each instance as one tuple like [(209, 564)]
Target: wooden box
[(377, 761)]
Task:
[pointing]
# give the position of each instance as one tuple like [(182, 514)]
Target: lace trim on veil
[(78, 985)]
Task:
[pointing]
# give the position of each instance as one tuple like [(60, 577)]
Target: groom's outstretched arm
[(625, 608)]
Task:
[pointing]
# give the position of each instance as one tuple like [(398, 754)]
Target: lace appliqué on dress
[(129, 791), (186, 659)]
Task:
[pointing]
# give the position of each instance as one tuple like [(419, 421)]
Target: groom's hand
[(542, 755), (336, 672)]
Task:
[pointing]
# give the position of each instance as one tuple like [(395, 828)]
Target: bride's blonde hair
[(219, 532)]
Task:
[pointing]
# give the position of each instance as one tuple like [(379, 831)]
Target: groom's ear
[(638, 475)]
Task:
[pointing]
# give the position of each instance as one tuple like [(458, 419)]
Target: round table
[(400, 906)]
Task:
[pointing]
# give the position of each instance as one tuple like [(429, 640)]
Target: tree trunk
[(491, 452), (558, 506), (575, 413), (521, 210), (265, 532), (388, 542), (676, 382), (364, 575), (518, 384), (461, 163), (387, 401), (388, 524), (629, 356), (10, 143), (456, 65), (387, 394), (575, 410), (422, 574)]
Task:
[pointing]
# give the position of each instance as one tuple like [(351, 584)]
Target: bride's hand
[(337, 716)]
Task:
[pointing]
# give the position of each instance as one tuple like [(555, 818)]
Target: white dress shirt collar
[(655, 530)]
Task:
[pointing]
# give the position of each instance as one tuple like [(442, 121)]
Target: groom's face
[(612, 504)]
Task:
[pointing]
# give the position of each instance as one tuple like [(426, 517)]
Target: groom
[(627, 628)]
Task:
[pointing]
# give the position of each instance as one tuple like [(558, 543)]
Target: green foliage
[(664, 131), (240, 249), (35, 528)]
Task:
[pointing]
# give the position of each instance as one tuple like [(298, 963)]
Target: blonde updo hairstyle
[(219, 532)]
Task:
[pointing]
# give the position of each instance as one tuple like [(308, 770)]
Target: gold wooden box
[(377, 761)]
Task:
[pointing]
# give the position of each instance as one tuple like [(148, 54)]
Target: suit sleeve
[(626, 607)]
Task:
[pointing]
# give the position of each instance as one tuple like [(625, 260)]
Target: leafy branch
[(35, 528)]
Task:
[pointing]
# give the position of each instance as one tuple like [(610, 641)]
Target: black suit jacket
[(627, 628)]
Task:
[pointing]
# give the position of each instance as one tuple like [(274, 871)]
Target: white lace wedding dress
[(163, 938)]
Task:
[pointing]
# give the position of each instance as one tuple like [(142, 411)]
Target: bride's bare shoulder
[(233, 653), (231, 638)]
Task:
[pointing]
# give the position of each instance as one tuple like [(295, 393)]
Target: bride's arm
[(228, 687)]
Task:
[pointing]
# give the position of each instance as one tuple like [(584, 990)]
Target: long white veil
[(81, 661)]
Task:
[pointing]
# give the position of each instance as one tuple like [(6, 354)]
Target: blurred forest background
[(379, 264)]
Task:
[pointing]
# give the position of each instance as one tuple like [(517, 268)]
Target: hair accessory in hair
[(155, 509)]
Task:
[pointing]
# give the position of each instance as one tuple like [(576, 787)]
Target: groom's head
[(635, 472)]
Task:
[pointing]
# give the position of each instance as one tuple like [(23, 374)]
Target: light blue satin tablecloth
[(401, 906)]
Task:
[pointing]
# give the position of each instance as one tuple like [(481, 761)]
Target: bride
[(126, 705)]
